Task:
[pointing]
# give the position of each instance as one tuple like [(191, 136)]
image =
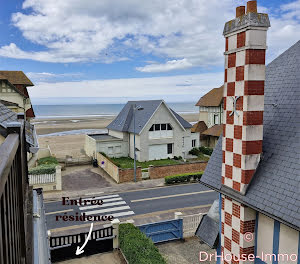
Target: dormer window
[(160, 131)]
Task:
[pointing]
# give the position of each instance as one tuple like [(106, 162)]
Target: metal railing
[(15, 225), (68, 240)]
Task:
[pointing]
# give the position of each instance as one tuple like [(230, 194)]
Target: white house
[(159, 131), (210, 114)]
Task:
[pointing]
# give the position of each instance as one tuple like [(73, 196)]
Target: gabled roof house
[(160, 133), (255, 164), (13, 90), (211, 114)]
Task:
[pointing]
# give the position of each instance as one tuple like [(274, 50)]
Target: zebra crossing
[(112, 205)]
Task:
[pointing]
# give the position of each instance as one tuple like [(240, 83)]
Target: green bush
[(186, 177), (47, 161), (43, 169), (137, 248), (206, 150), (194, 151)]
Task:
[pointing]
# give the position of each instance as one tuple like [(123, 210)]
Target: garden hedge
[(186, 177), (47, 161), (137, 248), (43, 169)]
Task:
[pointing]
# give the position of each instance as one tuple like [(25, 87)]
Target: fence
[(47, 182), (163, 231), (15, 214), (190, 224), (101, 240), (41, 179)]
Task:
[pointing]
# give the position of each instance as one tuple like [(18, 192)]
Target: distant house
[(160, 133), (9, 118), (211, 113), (14, 94)]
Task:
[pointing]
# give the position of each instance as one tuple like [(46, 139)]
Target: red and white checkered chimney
[(243, 126), (243, 95)]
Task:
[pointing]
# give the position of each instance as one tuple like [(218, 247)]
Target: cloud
[(38, 77), (72, 31), (168, 66), (185, 33), (140, 88)]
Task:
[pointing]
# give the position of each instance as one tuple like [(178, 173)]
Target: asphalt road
[(131, 203)]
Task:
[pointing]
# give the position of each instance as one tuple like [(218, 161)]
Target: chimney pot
[(251, 7), (240, 10)]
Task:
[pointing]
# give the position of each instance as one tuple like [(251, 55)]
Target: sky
[(115, 50)]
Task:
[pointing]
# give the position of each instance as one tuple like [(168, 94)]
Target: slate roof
[(275, 188), (7, 116), (16, 77), (213, 98), (124, 121)]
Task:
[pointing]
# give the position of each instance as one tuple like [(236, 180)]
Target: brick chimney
[(243, 125), (243, 95)]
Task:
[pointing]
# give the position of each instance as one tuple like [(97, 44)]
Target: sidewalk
[(109, 186)]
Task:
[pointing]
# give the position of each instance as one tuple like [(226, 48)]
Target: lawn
[(127, 163), (201, 157)]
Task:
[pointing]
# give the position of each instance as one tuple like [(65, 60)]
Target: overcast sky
[(169, 49)]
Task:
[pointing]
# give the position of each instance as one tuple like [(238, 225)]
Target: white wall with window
[(157, 131)]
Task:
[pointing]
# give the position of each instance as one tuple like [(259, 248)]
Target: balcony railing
[(15, 212)]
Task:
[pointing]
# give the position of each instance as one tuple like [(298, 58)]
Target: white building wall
[(163, 116), (114, 149), (265, 236), (117, 134), (288, 240)]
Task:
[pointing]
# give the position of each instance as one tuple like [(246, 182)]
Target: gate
[(64, 247), (163, 231)]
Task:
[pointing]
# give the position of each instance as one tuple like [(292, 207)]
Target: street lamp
[(134, 151)]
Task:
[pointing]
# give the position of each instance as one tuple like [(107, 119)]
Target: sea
[(97, 110), (81, 111)]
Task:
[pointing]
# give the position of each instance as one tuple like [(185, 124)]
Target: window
[(110, 150), (160, 131), (216, 119), (118, 149), (193, 143), (170, 148), (183, 141)]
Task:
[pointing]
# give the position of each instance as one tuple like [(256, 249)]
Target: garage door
[(158, 152)]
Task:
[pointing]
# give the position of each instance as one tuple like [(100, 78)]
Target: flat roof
[(103, 137)]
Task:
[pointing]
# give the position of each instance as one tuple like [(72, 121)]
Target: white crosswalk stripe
[(112, 205)]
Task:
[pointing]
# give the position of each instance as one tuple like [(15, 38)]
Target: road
[(130, 204)]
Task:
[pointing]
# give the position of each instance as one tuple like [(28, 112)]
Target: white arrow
[(80, 250)]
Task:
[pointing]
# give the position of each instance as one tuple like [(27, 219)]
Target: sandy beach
[(72, 141)]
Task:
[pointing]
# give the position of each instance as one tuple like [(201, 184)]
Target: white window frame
[(194, 142)]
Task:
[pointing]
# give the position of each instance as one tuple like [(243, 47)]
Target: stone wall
[(162, 171), (127, 175)]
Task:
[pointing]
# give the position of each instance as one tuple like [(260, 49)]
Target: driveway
[(84, 179), (185, 252)]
